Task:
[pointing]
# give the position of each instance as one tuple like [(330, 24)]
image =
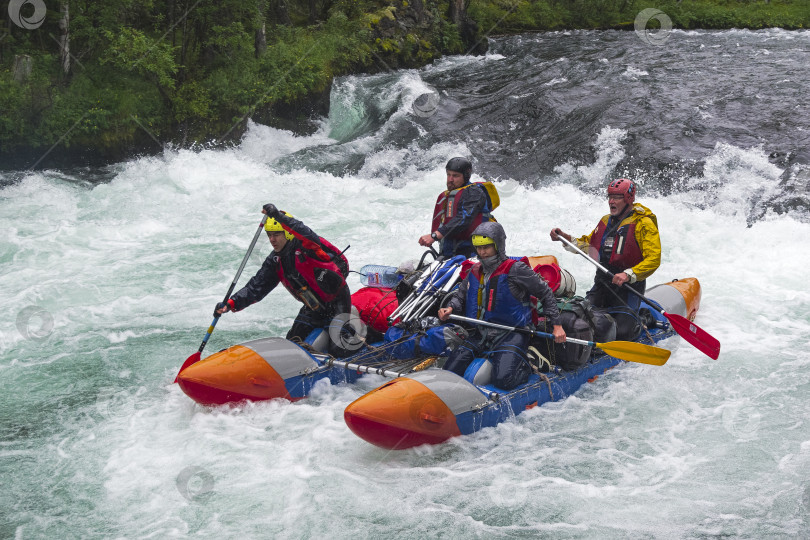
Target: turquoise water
[(108, 287)]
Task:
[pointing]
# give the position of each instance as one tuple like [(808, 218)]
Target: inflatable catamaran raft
[(420, 405)]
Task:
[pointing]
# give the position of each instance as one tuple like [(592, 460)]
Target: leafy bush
[(148, 69)]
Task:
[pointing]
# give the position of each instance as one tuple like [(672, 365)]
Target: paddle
[(624, 350), (197, 355), (691, 332), (361, 368)]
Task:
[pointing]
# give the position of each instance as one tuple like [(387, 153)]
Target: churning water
[(107, 286)]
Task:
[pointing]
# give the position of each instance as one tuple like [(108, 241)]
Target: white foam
[(130, 271), (609, 151)]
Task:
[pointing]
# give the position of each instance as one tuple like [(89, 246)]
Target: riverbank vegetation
[(513, 16), (123, 76)]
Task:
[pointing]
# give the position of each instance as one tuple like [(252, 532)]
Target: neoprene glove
[(220, 306), (271, 210)]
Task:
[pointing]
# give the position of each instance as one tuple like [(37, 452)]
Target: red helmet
[(623, 186)]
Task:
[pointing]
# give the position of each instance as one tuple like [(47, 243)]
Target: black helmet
[(461, 165)]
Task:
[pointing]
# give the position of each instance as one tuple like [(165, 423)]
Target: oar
[(425, 273), (440, 293), (378, 370), (390, 373), (196, 356), (691, 332), (624, 350)]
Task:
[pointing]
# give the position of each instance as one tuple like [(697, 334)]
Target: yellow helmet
[(271, 225), (481, 240)]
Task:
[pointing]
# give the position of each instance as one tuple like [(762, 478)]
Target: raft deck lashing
[(376, 359)]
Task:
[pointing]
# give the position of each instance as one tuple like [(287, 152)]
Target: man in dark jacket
[(310, 268), (458, 211), (499, 289)]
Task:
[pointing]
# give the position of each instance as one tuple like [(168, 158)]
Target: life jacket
[(492, 301), (620, 249), (448, 202), (320, 276)]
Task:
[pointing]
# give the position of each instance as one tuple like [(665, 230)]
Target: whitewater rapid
[(109, 286)]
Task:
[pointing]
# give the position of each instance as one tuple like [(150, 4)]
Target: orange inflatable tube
[(235, 374), (690, 290), (380, 418)]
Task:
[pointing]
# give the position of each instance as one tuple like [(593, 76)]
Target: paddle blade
[(636, 352), (695, 335), (193, 359)]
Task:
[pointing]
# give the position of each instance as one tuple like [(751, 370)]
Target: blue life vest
[(492, 301)]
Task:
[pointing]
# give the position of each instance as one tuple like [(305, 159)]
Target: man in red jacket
[(310, 268)]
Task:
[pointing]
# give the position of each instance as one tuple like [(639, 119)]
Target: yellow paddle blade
[(636, 352)]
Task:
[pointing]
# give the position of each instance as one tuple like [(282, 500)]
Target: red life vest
[(447, 204), (322, 277), (625, 252)]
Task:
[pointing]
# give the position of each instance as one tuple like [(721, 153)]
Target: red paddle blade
[(194, 358), (695, 335)]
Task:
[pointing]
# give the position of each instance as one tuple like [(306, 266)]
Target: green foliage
[(102, 109), (508, 16), (156, 69), (449, 39), (192, 101), (133, 51), (230, 41), (13, 105), (752, 14)]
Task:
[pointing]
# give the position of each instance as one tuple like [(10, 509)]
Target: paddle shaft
[(624, 350), (493, 396), (360, 368), (517, 329), (233, 283), (654, 305), (416, 290), (436, 295), (619, 298), (197, 355)]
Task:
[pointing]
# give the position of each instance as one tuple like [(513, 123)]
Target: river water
[(108, 278)]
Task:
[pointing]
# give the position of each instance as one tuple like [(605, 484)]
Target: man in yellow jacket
[(626, 242)]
